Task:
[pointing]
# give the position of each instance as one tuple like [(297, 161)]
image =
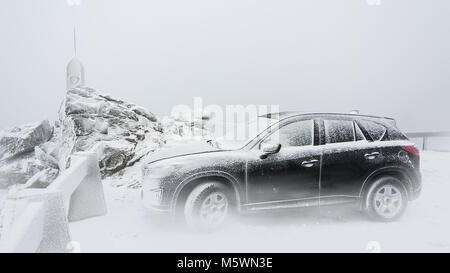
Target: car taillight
[(412, 149)]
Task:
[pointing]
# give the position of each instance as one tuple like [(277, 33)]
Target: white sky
[(312, 55)]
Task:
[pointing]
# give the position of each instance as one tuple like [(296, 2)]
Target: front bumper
[(155, 211), (152, 199)]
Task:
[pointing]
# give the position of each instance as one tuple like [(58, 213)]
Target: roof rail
[(287, 114)]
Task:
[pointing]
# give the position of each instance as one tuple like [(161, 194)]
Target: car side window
[(358, 133), (337, 131), (375, 130), (294, 134)]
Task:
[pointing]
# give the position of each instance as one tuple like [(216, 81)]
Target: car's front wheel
[(386, 199), (207, 206)]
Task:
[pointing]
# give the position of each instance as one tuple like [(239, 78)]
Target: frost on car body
[(301, 160)]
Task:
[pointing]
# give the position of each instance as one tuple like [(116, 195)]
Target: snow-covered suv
[(300, 160)]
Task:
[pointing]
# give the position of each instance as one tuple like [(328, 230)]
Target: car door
[(292, 173), (346, 159)]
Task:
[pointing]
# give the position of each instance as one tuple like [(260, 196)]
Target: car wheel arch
[(396, 172), (185, 187)]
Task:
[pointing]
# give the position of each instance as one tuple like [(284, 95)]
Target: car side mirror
[(269, 148)]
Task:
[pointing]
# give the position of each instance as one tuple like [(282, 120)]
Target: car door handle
[(309, 163), (372, 155)]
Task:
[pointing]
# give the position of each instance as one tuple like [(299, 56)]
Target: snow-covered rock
[(37, 153), (26, 151), (121, 126), (180, 129), (128, 132), (23, 139)]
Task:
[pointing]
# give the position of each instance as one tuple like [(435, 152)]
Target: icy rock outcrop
[(38, 153), (180, 129), (125, 129), (26, 151), (19, 140)]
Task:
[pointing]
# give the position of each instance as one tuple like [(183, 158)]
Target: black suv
[(300, 160)]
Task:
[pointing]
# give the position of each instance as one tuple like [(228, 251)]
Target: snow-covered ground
[(424, 227), (3, 194)]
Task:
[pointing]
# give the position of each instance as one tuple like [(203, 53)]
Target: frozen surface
[(424, 227)]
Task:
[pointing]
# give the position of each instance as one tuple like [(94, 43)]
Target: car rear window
[(394, 135), (337, 131), (358, 133), (375, 130)]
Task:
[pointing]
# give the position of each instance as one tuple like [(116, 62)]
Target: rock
[(26, 151), (23, 139), (115, 156), (64, 142), (35, 154), (143, 112), (122, 126), (19, 170), (178, 129), (46, 158)]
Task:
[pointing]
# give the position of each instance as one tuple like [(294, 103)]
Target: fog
[(323, 55)]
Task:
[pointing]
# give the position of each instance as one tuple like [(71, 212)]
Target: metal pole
[(425, 143)]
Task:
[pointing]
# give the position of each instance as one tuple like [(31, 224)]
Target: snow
[(17, 140), (177, 148), (87, 117), (129, 132), (423, 228), (25, 151), (3, 194)]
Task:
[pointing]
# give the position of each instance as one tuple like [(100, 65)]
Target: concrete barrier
[(36, 220), (81, 186)]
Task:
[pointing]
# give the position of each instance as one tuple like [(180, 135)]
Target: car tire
[(208, 206), (386, 199)]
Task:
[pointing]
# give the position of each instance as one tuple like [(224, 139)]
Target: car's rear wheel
[(386, 199), (208, 206)]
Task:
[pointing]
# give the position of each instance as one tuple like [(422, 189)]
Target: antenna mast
[(75, 40)]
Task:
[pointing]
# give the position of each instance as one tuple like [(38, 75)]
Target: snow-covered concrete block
[(27, 232), (88, 199), (34, 220), (76, 194), (81, 186)]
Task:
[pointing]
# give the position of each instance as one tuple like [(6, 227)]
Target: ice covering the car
[(181, 148), (381, 129), (285, 114)]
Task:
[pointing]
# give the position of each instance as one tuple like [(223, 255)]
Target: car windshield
[(236, 135)]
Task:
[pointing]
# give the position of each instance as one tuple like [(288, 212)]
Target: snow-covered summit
[(88, 116), (123, 127)]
